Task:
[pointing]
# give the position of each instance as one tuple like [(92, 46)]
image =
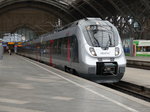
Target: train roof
[(84, 21)]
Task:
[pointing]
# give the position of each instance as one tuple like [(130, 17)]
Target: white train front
[(89, 46)]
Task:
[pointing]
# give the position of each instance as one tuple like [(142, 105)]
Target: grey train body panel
[(76, 47)]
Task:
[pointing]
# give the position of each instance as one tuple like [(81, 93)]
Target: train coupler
[(106, 68)]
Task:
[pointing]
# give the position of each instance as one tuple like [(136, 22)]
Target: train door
[(69, 49), (51, 52)]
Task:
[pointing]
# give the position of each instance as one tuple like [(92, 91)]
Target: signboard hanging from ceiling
[(11, 43)]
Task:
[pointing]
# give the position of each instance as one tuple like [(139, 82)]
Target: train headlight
[(117, 51), (92, 51)]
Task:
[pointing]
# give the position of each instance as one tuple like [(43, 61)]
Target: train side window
[(74, 49), (48, 48), (55, 47), (64, 47), (59, 46), (44, 51)]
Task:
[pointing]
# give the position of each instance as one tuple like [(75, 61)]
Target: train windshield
[(101, 36)]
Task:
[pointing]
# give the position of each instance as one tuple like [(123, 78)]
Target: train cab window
[(101, 36)]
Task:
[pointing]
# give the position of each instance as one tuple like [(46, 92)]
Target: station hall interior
[(42, 73), (18, 19)]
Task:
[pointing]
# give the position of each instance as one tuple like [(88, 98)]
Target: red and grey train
[(88, 46)]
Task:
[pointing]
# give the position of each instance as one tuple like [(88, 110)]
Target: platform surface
[(138, 58), (138, 76), (29, 86)]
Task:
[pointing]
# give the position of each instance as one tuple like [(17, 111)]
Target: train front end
[(102, 53)]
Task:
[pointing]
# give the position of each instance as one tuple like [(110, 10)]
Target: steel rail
[(138, 91)]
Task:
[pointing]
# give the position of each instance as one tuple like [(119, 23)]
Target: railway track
[(131, 89), (138, 64)]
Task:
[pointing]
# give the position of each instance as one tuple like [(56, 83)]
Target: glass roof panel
[(66, 2)]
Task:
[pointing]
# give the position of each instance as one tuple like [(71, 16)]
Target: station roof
[(81, 8), (71, 10)]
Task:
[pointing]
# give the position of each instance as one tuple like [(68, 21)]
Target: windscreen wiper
[(96, 42), (110, 40), (107, 45)]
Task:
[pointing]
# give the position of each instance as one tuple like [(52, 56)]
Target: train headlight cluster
[(117, 51), (92, 51)]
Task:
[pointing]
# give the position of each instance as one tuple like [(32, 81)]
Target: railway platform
[(138, 58), (138, 62), (30, 86)]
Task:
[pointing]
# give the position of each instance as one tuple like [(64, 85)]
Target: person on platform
[(9, 51)]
